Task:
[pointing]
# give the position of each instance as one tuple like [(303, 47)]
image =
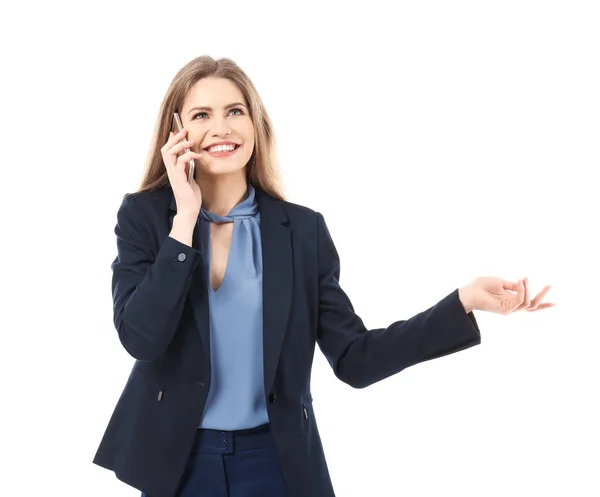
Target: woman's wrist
[(183, 228), (463, 295)]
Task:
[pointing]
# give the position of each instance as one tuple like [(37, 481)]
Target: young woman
[(221, 290)]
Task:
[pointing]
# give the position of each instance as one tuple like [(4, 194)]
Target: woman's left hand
[(488, 293)]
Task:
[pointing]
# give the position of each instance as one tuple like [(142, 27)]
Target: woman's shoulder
[(290, 208), (144, 206), (156, 195), (294, 211), (298, 212), (148, 199)]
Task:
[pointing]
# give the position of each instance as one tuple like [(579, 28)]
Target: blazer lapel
[(277, 280)]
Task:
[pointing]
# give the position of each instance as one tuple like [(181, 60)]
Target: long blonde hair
[(262, 170)]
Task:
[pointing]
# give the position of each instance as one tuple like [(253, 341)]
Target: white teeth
[(221, 148)]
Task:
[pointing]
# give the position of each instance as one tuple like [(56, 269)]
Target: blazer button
[(181, 257), (272, 397)]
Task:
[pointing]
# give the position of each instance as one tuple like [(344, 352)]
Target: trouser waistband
[(227, 442)]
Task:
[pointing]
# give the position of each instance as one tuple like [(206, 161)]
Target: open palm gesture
[(488, 293)]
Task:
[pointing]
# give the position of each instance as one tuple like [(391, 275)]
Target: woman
[(221, 290)]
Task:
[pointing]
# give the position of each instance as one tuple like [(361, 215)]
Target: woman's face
[(215, 111)]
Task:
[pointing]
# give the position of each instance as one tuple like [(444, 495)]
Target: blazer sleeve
[(148, 290), (361, 357)]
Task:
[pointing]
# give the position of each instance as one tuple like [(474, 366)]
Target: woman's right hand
[(187, 196)]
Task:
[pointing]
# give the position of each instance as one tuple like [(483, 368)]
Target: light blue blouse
[(236, 398)]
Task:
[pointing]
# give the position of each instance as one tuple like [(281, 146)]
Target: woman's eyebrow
[(228, 106)]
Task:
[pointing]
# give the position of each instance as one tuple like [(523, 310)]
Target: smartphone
[(176, 127)]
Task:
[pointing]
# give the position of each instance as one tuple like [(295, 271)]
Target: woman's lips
[(223, 154)]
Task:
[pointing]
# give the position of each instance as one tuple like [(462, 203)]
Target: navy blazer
[(155, 281)]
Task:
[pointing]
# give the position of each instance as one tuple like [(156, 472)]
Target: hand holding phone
[(180, 165), (177, 127)]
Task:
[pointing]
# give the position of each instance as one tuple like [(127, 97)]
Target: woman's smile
[(222, 151)]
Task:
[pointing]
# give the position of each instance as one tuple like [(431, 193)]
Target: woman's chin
[(216, 168)]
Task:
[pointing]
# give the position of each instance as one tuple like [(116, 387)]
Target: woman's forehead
[(216, 93)]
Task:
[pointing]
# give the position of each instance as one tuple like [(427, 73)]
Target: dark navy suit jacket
[(161, 315)]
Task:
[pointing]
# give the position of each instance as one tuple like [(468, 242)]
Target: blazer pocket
[(154, 383), (306, 405)]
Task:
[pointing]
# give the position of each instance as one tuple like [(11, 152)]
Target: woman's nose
[(221, 128)]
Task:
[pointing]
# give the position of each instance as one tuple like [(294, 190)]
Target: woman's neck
[(221, 193)]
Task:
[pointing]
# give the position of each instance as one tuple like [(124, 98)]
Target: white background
[(440, 140)]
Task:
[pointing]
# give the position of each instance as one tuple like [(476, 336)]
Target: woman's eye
[(241, 112)]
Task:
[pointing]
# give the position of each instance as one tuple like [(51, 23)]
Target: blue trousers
[(240, 463)]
